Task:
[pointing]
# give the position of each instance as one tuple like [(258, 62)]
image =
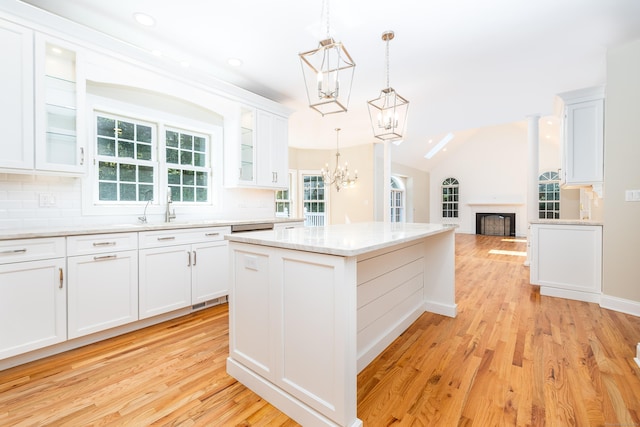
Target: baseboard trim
[(620, 304), (570, 294)]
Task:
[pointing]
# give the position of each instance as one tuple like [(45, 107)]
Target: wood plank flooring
[(510, 358)]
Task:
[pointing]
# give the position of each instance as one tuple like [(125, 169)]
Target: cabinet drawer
[(31, 249), (154, 239), (101, 243)]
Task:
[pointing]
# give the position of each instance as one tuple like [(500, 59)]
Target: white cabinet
[(566, 260), (16, 99), (59, 97), (102, 282), (33, 295), (260, 150), (181, 267), (583, 137), (273, 147)]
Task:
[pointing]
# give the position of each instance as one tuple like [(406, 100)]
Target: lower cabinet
[(566, 260), (33, 295), (179, 268), (102, 282)]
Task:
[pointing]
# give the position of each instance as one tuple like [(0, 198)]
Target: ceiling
[(462, 64)]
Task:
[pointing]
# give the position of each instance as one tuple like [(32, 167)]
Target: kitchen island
[(310, 307)]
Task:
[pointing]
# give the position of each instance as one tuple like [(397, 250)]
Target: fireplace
[(496, 224)]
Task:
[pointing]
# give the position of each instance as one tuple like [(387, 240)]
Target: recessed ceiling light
[(144, 19), (234, 62)]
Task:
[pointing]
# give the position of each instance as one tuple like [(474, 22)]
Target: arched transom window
[(549, 195), (450, 198)]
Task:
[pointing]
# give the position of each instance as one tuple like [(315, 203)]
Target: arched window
[(397, 200), (549, 195), (450, 198)]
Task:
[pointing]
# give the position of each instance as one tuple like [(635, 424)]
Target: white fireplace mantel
[(496, 203)]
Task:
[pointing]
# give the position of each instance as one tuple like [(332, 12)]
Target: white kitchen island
[(310, 307)]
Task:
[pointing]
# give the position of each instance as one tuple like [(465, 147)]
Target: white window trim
[(327, 194), (160, 119), (403, 190)]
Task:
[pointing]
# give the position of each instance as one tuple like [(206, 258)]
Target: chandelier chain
[(387, 56)]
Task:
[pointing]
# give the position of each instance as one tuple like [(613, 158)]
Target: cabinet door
[(59, 90), (102, 291), (247, 146), (165, 279), (16, 99), (272, 144), (584, 142), (210, 272), (33, 309)]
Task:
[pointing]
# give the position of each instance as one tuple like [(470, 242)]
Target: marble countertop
[(133, 227), (565, 221), (341, 239)]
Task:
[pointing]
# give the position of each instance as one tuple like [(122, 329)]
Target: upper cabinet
[(259, 149), (39, 103), (16, 101), (583, 137), (59, 95)]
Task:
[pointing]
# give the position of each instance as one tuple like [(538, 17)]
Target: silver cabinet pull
[(212, 234), (167, 238), (104, 243), (81, 156), (194, 258), (188, 259), (61, 277), (104, 257), (14, 251)]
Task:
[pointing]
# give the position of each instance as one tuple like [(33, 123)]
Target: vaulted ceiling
[(462, 64)]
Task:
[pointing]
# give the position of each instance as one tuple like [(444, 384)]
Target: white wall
[(491, 167), (621, 232)]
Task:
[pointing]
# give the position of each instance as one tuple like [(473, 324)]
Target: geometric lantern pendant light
[(328, 74), (388, 112)]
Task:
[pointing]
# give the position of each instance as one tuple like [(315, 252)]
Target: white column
[(386, 186), (532, 176)]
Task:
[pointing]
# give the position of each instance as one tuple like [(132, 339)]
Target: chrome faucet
[(168, 215), (143, 219)]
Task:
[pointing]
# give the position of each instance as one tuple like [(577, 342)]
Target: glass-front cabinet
[(247, 145), (58, 93)]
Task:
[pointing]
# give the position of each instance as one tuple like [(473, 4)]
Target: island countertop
[(341, 239)]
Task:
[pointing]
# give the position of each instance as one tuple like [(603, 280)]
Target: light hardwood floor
[(510, 357)]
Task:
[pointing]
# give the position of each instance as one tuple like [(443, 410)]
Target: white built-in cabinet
[(16, 97), (59, 100), (583, 137), (102, 282), (33, 295), (180, 267), (260, 150), (566, 260)]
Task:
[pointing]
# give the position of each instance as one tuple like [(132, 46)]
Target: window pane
[(106, 126), (199, 159), (175, 194), (127, 173), (186, 158), (145, 174), (188, 178), (201, 179), (126, 130), (144, 152), (172, 156), (201, 195), (186, 142), (107, 191), (106, 147), (145, 192), (173, 176), (199, 144), (172, 139), (143, 133), (125, 149), (188, 195), (128, 192), (107, 171)]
